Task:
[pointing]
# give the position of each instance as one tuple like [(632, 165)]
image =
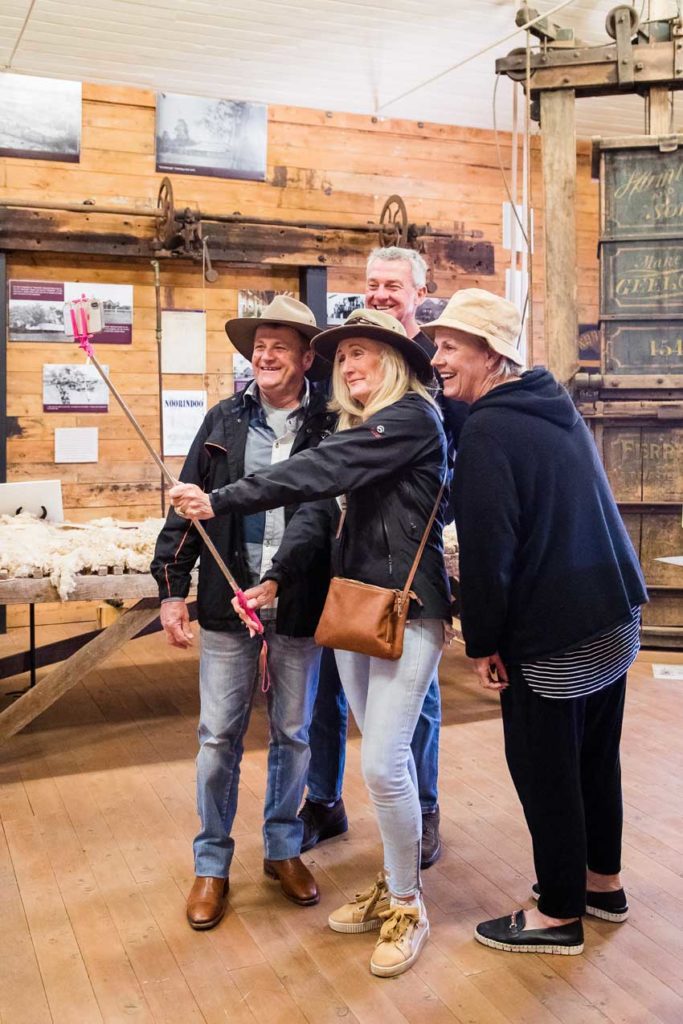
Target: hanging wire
[(473, 56), (23, 28), (205, 253), (526, 232)]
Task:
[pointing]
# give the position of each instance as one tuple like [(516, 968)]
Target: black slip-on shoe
[(431, 840), (608, 906), (508, 933), (321, 822)]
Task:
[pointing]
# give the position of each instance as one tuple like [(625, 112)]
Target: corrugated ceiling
[(343, 55)]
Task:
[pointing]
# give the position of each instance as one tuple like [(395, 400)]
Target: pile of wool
[(451, 551), (61, 551)]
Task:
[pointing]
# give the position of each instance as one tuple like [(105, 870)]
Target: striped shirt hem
[(589, 668)]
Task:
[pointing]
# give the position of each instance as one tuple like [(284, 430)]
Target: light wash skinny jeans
[(228, 669), (386, 698)]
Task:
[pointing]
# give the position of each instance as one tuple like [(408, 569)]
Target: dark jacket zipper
[(386, 541)]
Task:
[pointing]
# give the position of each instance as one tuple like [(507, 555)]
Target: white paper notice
[(184, 412), (76, 444), (183, 341)]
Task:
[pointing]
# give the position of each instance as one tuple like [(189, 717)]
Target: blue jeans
[(328, 739), (386, 698), (228, 671)]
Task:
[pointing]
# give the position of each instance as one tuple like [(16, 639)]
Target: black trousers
[(563, 757)]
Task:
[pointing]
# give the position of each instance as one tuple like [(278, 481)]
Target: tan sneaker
[(404, 932), (364, 912)]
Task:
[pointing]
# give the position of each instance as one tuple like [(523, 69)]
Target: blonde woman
[(388, 460)]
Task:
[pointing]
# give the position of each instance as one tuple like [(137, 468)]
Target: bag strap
[(420, 550)]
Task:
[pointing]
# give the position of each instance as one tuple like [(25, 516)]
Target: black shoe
[(609, 906), (321, 822), (431, 840), (508, 933)]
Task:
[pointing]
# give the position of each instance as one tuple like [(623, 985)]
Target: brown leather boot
[(296, 881), (206, 902)]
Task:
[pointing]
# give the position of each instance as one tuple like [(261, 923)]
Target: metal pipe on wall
[(160, 378)]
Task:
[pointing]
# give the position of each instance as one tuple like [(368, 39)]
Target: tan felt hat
[(283, 311), (485, 315), (379, 326)]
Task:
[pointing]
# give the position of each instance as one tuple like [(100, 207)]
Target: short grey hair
[(506, 367), (418, 266)]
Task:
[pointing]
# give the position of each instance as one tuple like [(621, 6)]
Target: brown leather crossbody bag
[(367, 619)]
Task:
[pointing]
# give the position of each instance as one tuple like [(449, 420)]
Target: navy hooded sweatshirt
[(546, 563)]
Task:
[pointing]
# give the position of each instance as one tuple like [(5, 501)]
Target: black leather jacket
[(216, 458), (390, 469)]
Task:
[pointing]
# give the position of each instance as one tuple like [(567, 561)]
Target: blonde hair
[(397, 380)]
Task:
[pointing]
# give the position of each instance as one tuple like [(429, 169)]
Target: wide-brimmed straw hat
[(283, 311), (485, 315), (379, 326)]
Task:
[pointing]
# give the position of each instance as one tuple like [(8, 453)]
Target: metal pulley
[(393, 222), (622, 19), (519, 74), (165, 222)]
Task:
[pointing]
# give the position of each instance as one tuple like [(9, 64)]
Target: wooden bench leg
[(75, 668)]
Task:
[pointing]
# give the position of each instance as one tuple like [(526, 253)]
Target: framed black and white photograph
[(340, 304), (117, 302), (429, 309), (40, 118), (35, 311), (242, 372), (74, 387), (219, 138)]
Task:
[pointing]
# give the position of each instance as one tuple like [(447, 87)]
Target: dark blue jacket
[(390, 468), (545, 560)]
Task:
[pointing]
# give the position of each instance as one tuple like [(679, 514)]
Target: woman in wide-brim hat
[(550, 591), (388, 460)]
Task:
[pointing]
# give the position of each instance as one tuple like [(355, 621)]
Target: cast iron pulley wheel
[(166, 229), (519, 74), (622, 11), (393, 222)]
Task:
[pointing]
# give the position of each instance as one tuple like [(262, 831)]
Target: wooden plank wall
[(330, 165)]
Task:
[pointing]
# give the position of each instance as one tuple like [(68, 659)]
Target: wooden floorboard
[(97, 816)]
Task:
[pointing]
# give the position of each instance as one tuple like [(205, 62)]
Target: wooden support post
[(658, 105), (72, 671), (313, 291), (559, 185)]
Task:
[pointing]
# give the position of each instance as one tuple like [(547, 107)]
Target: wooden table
[(126, 586)]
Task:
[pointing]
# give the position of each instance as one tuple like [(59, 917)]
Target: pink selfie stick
[(83, 338)]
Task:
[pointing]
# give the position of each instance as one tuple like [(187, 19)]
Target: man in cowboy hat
[(280, 413)]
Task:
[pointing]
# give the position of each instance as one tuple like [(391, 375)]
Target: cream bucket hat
[(485, 315)]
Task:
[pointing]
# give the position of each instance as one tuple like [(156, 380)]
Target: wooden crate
[(636, 407), (643, 459)]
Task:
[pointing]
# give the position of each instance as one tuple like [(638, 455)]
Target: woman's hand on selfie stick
[(257, 597), (491, 672)]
